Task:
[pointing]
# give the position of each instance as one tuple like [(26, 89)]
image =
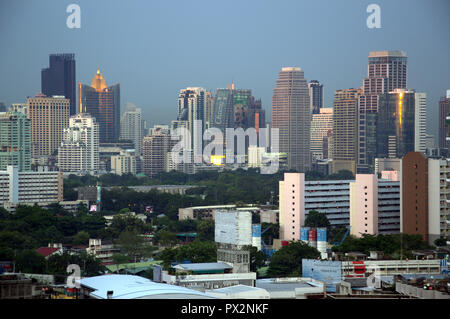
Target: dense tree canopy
[(287, 261), (390, 244)]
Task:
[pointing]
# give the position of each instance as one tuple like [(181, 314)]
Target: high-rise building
[(59, 78), (154, 151), (387, 70), (223, 110), (321, 125), (414, 195), (342, 201), (103, 103), (444, 121), (79, 150), (131, 126), (291, 205), (315, 96), (49, 117), (291, 115), (2, 107), (15, 141), (395, 125), (345, 128), (420, 122), (191, 108), (364, 205), (209, 109)]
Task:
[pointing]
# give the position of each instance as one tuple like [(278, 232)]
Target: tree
[(166, 238), (257, 258), (287, 261), (197, 252), (30, 261), (131, 243), (441, 242), (206, 229), (81, 238), (316, 219), (119, 259)]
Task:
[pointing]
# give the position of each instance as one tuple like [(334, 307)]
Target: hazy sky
[(156, 48)]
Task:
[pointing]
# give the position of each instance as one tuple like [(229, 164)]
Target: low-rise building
[(29, 187)]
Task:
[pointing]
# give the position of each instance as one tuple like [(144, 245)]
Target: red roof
[(47, 251)]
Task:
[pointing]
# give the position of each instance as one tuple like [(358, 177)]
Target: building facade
[(15, 141), (29, 188), (321, 127), (292, 116), (154, 150), (103, 103), (79, 150), (345, 128), (131, 126), (316, 96), (387, 70), (444, 121), (59, 78), (49, 117)]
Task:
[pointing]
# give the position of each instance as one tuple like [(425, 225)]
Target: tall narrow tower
[(59, 78), (291, 115)]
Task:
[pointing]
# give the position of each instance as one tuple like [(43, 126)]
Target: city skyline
[(160, 69)]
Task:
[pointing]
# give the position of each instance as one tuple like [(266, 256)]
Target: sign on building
[(323, 270)]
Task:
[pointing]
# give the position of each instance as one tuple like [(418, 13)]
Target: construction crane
[(343, 238)]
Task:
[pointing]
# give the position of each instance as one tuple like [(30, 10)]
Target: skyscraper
[(79, 150), (444, 121), (345, 124), (315, 96), (400, 125), (103, 103), (59, 78), (321, 125), (49, 117), (191, 108), (292, 116), (15, 141), (387, 70), (131, 126), (154, 151), (223, 110)]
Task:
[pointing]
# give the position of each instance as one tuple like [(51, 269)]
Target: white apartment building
[(29, 187), (131, 126), (79, 150), (124, 163)]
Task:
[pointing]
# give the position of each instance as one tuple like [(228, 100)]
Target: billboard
[(329, 272), (233, 227)]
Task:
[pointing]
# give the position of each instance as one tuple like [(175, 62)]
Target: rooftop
[(203, 266), (135, 287)]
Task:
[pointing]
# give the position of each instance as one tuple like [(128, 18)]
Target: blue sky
[(156, 48)]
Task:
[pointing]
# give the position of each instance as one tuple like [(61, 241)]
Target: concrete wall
[(364, 205), (418, 292)]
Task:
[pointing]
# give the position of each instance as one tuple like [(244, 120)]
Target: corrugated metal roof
[(203, 266), (134, 287)]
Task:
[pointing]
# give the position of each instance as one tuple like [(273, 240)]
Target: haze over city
[(154, 49)]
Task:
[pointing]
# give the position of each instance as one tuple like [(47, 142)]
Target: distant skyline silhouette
[(156, 48)]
